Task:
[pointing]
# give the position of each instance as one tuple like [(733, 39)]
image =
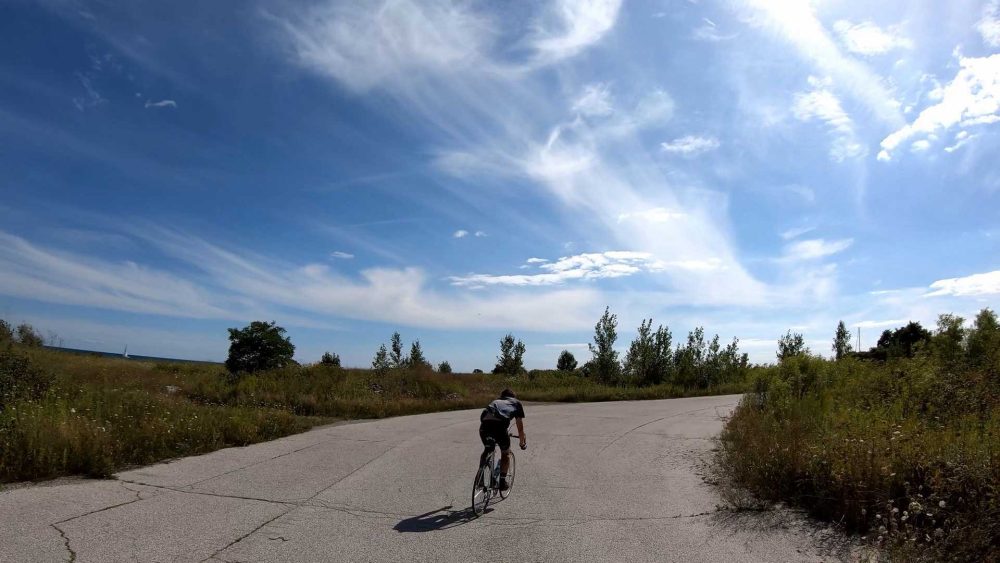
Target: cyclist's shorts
[(496, 429)]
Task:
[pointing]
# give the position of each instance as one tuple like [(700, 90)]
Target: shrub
[(511, 359), (258, 346), (329, 359), (19, 378), (27, 336), (444, 367), (6, 332)]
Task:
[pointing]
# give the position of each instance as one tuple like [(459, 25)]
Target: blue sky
[(455, 171)]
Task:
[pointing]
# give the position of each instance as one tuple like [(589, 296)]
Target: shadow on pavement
[(440, 519)]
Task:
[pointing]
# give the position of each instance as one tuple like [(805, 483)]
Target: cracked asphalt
[(616, 481)]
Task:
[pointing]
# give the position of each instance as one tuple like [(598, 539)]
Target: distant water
[(130, 356)]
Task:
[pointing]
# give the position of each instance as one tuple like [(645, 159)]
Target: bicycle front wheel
[(481, 489), (504, 493)]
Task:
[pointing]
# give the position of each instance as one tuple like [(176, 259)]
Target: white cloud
[(989, 25), (796, 232), (536, 260), (708, 31), (480, 234), (369, 43), (160, 104), (594, 101), (237, 285), (654, 215), (812, 249), (920, 146), (822, 104), (588, 266), (461, 233), (879, 324), (342, 255), (690, 145), (866, 38), (976, 284), (961, 139), (573, 25), (796, 22), (972, 98)]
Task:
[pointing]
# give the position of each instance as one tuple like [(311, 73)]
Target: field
[(76, 414), (899, 445)]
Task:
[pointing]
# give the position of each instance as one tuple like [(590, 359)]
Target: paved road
[(599, 482)]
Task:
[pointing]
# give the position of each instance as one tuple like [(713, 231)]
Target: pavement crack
[(210, 494), (71, 553), (246, 535), (647, 423)]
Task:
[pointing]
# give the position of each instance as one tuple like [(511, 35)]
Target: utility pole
[(859, 339)]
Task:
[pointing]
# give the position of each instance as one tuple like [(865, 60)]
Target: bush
[(258, 346), (905, 450), (6, 332), (19, 378), (329, 359), (444, 367), (27, 336)]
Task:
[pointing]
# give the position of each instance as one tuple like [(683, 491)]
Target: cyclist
[(494, 423)]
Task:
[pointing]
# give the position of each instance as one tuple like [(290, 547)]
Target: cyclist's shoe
[(503, 486)]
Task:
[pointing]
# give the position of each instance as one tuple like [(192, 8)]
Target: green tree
[(842, 341), (648, 355), (511, 358), (902, 342), (258, 346), (444, 367), (396, 358), (604, 361), (791, 344), (566, 361), (329, 359), (27, 336), (984, 342), (948, 341), (6, 332), (380, 364), (416, 358)]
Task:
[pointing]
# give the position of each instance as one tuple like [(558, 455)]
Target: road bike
[(487, 483)]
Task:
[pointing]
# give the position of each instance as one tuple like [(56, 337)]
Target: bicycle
[(486, 486)]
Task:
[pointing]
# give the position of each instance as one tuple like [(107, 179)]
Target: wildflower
[(882, 530), (72, 410), (941, 504)]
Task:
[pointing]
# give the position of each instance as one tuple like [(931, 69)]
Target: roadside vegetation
[(67, 413), (900, 443)]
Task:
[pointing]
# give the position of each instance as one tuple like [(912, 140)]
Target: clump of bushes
[(904, 450)]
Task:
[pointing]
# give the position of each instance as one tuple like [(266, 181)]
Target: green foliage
[(6, 332), (381, 363), (842, 341), (396, 357), (329, 359), (791, 344), (27, 336), (444, 367), (477, 370), (603, 364), (19, 377), (566, 361), (417, 358), (649, 360), (258, 346), (510, 362), (904, 450)]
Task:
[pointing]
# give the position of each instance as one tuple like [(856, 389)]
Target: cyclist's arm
[(520, 431)]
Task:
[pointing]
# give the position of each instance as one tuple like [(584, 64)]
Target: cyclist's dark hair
[(507, 393)]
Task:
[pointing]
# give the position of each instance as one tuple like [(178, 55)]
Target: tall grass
[(92, 415), (904, 452)]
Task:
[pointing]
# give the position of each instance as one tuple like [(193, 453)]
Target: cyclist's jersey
[(503, 410)]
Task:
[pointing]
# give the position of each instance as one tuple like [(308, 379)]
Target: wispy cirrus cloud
[(690, 145), (866, 38), (989, 25), (341, 255), (812, 249), (594, 101), (573, 25), (160, 104), (820, 103)]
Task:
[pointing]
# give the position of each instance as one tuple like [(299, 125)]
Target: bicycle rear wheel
[(481, 487), (504, 493)]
